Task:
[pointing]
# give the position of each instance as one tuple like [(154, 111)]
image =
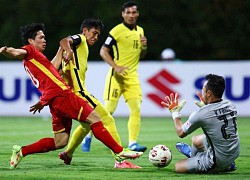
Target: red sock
[(41, 146), (102, 134)]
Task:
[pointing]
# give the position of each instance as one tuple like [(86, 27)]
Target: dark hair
[(92, 23), (129, 4), (30, 31), (216, 84)]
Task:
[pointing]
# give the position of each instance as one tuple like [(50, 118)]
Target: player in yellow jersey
[(76, 47), (123, 48)]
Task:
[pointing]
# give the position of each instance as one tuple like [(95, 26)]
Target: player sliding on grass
[(63, 103), (216, 149)]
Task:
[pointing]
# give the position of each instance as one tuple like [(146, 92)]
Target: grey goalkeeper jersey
[(219, 123)]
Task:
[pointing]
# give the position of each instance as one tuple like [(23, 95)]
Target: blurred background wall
[(195, 29)]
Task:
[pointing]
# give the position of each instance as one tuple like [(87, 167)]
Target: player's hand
[(3, 49), (36, 107), (201, 102), (171, 102), (121, 70), (144, 42), (68, 56)]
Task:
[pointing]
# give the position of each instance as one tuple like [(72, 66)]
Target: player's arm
[(57, 60), (178, 127), (13, 53), (105, 54), (171, 102), (66, 44)]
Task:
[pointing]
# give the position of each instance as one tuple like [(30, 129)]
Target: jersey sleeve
[(109, 42), (30, 52), (192, 123), (112, 38), (76, 39)]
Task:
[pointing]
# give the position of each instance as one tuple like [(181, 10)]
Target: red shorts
[(64, 108)]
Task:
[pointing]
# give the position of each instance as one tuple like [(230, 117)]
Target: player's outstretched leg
[(16, 156), (104, 136), (184, 149)]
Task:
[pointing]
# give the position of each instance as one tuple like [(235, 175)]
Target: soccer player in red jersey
[(63, 103)]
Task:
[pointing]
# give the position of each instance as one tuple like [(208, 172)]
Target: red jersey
[(43, 74)]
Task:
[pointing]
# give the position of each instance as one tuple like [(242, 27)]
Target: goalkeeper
[(216, 150)]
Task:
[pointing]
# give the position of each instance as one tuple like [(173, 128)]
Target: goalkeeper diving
[(216, 149)]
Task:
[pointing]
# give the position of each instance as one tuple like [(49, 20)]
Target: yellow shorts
[(116, 85)]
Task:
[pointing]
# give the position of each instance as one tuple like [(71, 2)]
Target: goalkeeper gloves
[(201, 102), (172, 104)]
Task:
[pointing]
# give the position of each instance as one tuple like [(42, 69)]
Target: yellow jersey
[(125, 46), (74, 74)]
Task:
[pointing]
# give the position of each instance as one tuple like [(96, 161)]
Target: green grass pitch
[(98, 164)]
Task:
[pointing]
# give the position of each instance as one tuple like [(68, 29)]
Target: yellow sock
[(79, 133), (134, 122), (108, 122)]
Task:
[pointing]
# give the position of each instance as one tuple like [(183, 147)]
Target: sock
[(90, 134), (131, 142), (134, 122), (77, 137), (108, 122), (102, 134), (41, 146)]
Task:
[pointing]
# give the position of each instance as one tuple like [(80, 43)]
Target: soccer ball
[(160, 155)]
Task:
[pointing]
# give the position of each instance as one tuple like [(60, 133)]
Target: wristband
[(175, 115)]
